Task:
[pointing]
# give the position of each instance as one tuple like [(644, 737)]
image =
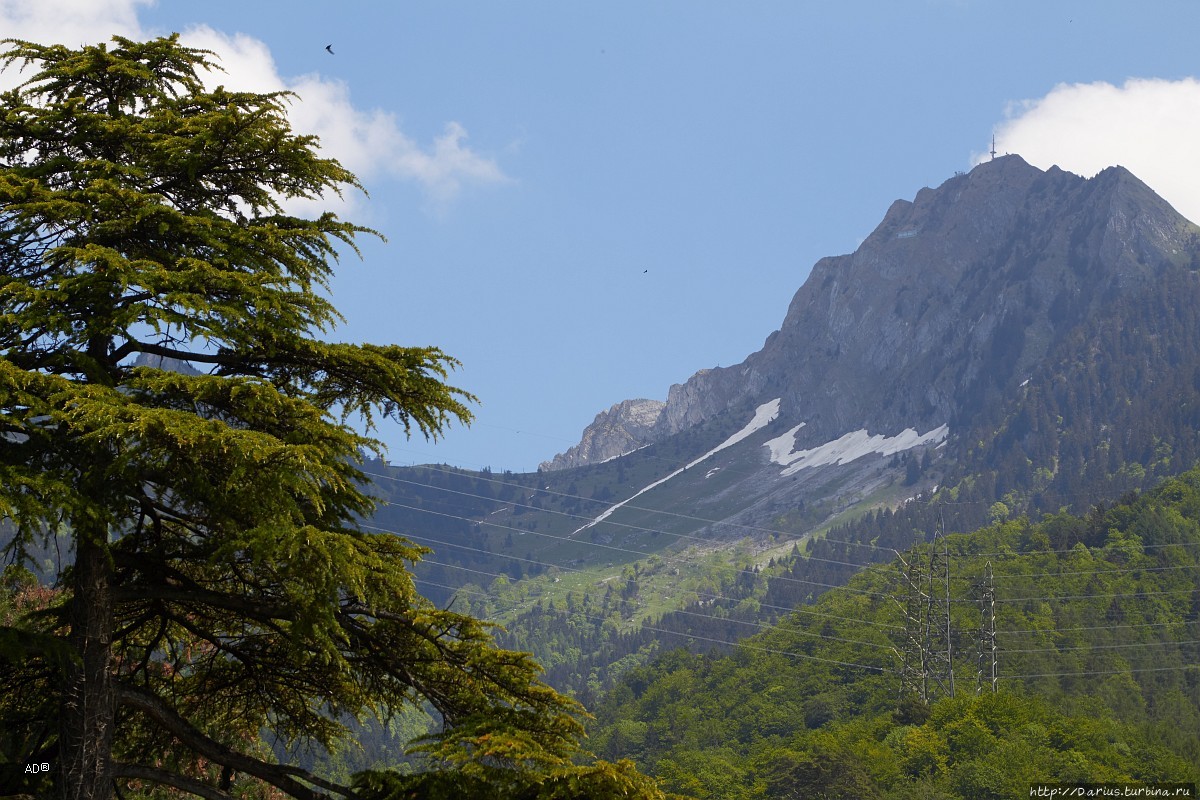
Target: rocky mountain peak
[(956, 295)]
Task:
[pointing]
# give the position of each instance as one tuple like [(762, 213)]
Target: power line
[(805, 656), (1099, 672), (1057, 598), (1094, 628), (1019, 553), (1096, 596), (1104, 646), (608, 504), (698, 593), (1124, 571), (846, 663), (764, 626), (476, 571), (706, 540), (883, 568), (1060, 598), (803, 610), (464, 590), (778, 626), (776, 532), (502, 527), (638, 553), (744, 645), (472, 549), (581, 517), (795, 580)]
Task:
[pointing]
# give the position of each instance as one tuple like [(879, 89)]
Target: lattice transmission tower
[(914, 662), (939, 633), (986, 642), (927, 652)]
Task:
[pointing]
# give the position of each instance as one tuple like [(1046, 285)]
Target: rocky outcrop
[(621, 429)]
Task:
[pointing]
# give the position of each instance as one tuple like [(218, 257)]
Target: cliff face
[(956, 295), (621, 429)]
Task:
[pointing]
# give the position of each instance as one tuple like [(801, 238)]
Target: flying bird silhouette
[(329, 49)]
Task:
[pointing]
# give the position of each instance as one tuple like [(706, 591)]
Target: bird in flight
[(329, 49)]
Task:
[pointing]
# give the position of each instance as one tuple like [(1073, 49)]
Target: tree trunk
[(88, 717)]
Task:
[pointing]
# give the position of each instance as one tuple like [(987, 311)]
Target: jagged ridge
[(957, 293)]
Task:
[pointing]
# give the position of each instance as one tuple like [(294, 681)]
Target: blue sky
[(587, 202)]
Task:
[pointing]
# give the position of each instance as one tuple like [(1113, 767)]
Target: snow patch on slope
[(847, 448), (763, 416), (782, 446)]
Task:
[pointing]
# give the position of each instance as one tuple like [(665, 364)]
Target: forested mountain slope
[(1097, 632)]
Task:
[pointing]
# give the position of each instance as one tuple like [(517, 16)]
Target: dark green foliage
[(1097, 622), (817, 773), (1115, 406), (599, 782)]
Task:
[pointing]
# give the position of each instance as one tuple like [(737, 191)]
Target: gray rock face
[(956, 295), (623, 428), (164, 362)]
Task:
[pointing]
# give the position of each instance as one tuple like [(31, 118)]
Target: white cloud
[(1149, 126), (70, 22), (369, 143)]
